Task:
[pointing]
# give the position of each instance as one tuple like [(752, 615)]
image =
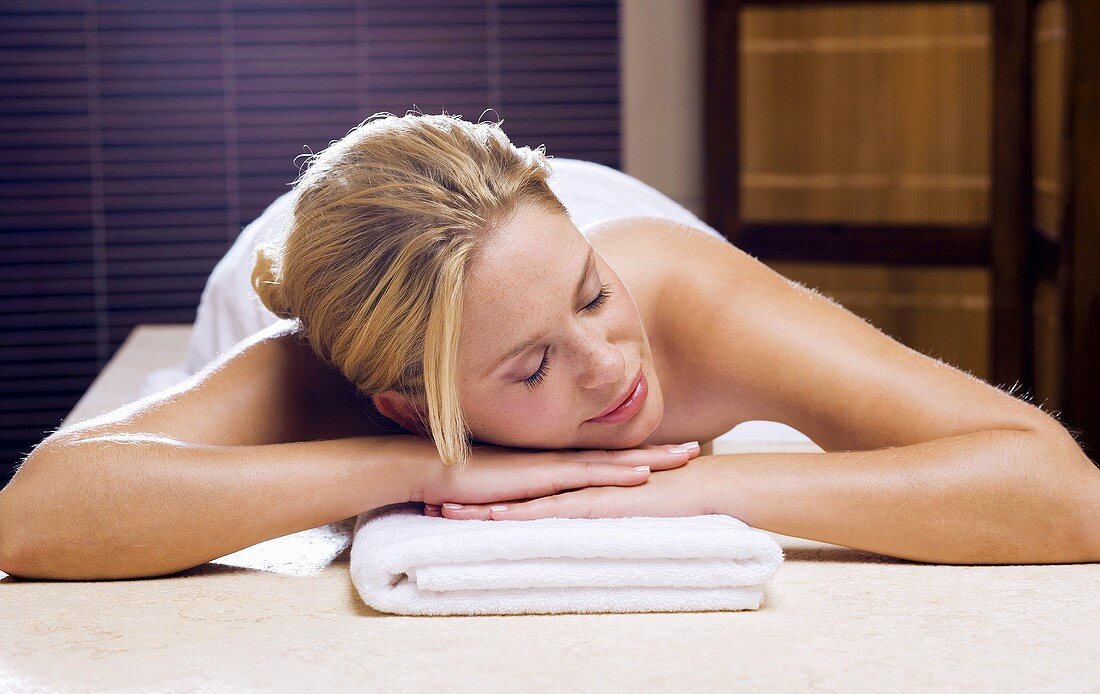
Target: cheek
[(538, 410), (627, 321)]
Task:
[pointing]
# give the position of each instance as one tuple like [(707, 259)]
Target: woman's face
[(551, 339)]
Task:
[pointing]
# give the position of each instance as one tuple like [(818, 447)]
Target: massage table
[(283, 615)]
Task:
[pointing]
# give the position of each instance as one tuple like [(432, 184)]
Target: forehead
[(527, 266), (531, 246)]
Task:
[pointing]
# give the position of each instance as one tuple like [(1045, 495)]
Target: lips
[(622, 398)]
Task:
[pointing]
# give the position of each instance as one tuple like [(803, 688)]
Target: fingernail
[(498, 508), (642, 468), (680, 449), (455, 506)]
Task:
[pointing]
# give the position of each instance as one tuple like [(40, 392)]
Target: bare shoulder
[(646, 252), (647, 236), (660, 260), (749, 342), (657, 258), (268, 388)]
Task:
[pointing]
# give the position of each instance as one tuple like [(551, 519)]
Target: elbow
[(16, 556), (24, 543), (27, 561), (1084, 546), (27, 552), (1073, 480), (1088, 527), (11, 548), (11, 560), (38, 558)]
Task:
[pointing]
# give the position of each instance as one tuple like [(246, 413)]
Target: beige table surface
[(284, 616)]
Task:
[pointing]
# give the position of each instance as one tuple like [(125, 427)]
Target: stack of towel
[(405, 562)]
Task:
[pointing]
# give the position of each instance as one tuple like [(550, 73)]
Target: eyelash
[(601, 298)]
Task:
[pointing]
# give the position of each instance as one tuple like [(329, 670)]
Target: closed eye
[(601, 298), (540, 373)]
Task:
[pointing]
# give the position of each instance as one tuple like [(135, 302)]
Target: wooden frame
[(1016, 252), (1079, 279)]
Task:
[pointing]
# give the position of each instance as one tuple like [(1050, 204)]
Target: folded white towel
[(407, 563)]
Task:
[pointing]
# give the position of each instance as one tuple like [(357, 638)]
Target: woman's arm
[(968, 472), (130, 505), (923, 460), (263, 442), (988, 497)]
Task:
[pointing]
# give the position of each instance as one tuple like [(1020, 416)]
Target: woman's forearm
[(130, 505), (989, 497)]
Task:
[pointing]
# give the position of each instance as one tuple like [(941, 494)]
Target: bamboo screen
[(1048, 107), (139, 136), (875, 113)]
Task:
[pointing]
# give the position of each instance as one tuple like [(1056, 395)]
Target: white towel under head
[(407, 563)]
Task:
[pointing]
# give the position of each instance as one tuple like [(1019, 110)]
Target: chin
[(635, 432), (652, 420)]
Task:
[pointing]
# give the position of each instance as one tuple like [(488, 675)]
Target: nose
[(602, 364)]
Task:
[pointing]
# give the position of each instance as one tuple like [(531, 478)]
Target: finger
[(694, 448), (478, 511), (662, 457), (668, 456), (574, 504), (550, 479)]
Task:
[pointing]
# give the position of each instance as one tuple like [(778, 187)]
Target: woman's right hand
[(498, 473)]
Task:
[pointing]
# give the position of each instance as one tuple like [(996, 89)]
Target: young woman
[(434, 293)]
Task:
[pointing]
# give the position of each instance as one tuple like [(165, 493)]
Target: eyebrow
[(526, 344)]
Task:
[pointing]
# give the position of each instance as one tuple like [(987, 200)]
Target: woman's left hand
[(667, 493)]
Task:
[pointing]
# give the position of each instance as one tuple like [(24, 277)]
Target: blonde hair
[(386, 223)]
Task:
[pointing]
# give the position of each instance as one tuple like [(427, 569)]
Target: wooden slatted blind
[(137, 138), (1048, 100), (875, 113)]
